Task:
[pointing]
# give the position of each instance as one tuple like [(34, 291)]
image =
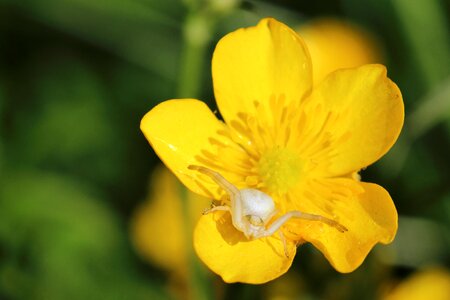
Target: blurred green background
[(76, 76)]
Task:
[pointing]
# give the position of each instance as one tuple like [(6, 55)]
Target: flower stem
[(199, 280), (196, 39), (197, 36), (198, 30)]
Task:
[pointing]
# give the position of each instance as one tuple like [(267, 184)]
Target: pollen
[(280, 170)]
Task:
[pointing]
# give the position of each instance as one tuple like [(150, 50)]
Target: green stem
[(197, 37), (199, 279), (197, 34)]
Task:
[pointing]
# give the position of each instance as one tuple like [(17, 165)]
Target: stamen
[(280, 170)]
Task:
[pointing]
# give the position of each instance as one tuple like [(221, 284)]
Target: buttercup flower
[(302, 146)]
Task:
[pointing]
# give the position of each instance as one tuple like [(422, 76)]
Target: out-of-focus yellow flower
[(158, 228), (433, 283), (301, 146), (335, 44)]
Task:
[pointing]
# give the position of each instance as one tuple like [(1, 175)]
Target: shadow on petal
[(227, 252), (226, 229)]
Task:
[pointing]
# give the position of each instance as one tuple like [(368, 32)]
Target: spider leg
[(219, 179), (311, 217), (283, 239), (301, 215), (217, 208), (234, 193)]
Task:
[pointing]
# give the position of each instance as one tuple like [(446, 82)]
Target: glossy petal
[(228, 253), (179, 132), (358, 114), (370, 217), (256, 63)]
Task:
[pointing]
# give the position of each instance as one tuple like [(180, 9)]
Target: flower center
[(280, 170)]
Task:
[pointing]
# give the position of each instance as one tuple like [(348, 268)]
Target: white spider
[(251, 210)]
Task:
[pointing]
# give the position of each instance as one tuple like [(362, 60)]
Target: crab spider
[(251, 210)]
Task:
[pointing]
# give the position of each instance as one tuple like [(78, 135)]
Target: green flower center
[(280, 170)]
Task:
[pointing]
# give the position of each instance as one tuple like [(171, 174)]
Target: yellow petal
[(358, 114), (370, 217), (256, 63), (228, 253), (180, 132)]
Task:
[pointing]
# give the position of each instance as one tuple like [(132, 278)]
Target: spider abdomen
[(257, 204)]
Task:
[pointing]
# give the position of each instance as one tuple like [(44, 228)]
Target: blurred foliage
[(1, 133), (50, 242), (122, 27), (69, 126), (76, 76), (161, 230)]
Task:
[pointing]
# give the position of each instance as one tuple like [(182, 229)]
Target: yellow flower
[(158, 228), (301, 146), (335, 44), (433, 283)]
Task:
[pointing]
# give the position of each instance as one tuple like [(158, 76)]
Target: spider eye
[(255, 220)]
